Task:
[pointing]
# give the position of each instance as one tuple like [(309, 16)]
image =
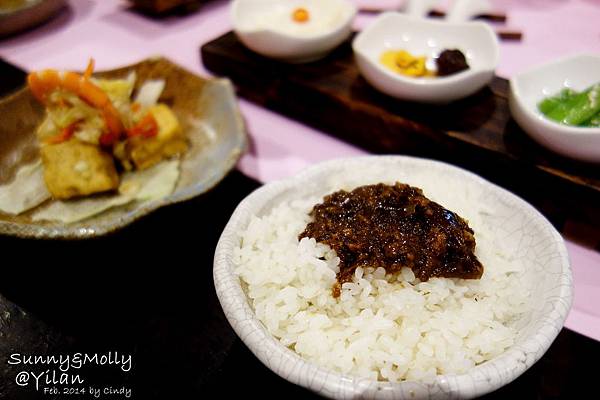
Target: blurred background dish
[(292, 31), (18, 15), (529, 88), (422, 37)]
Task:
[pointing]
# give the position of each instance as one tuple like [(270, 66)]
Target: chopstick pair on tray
[(460, 10)]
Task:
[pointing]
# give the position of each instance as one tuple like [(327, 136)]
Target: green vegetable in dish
[(572, 108), (594, 122), (550, 103)]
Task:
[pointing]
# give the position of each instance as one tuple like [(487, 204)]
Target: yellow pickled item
[(402, 62), (416, 68), (403, 59)]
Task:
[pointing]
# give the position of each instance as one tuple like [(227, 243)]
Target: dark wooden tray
[(477, 132)]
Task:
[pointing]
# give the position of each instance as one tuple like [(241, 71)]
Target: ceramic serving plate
[(513, 224), (209, 115), (17, 15)]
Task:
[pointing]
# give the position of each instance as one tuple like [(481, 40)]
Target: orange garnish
[(147, 127), (300, 15), (62, 102), (63, 136), (108, 138), (43, 83), (90, 69)]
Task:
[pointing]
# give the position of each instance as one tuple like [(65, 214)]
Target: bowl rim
[(330, 33), (422, 81), (506, 367), (21, 8), (540, 119)]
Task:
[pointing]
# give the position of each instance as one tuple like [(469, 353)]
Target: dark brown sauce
[(394, 227)]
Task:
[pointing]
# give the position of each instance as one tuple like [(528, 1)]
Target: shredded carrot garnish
[(62, 102), (43, 83), (147, 127), (89, 69), (63, 136), (107, 139)]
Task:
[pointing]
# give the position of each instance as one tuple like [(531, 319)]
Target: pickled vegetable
[(550, 103), (401, 61), (404, 63), (574, 108)]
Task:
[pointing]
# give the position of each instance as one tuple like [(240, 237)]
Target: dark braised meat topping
[(451, 62), (394, 227)]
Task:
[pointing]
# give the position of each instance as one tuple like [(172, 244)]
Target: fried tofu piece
[(74, 168), (168, 142)]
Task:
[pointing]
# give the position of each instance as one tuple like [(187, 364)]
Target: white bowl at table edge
[(571, 141)]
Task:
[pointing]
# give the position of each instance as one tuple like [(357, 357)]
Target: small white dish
[(395, 31), (527, 89), (268, 28), (527, 235)]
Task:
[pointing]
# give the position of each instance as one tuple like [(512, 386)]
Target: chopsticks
[(510, 35), (491, 17)]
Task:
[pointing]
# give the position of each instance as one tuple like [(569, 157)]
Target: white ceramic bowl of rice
[(392, 336)]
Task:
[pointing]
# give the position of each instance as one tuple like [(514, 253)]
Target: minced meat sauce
[(393, 227)]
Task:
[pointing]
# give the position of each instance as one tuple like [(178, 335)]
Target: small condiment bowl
[(268, 28), (527, 89), (395, 31), (516, 223)]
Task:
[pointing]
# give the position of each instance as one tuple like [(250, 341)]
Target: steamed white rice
[(383, 327)]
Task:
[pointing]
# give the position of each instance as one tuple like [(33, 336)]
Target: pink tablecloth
[(115, 36)]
